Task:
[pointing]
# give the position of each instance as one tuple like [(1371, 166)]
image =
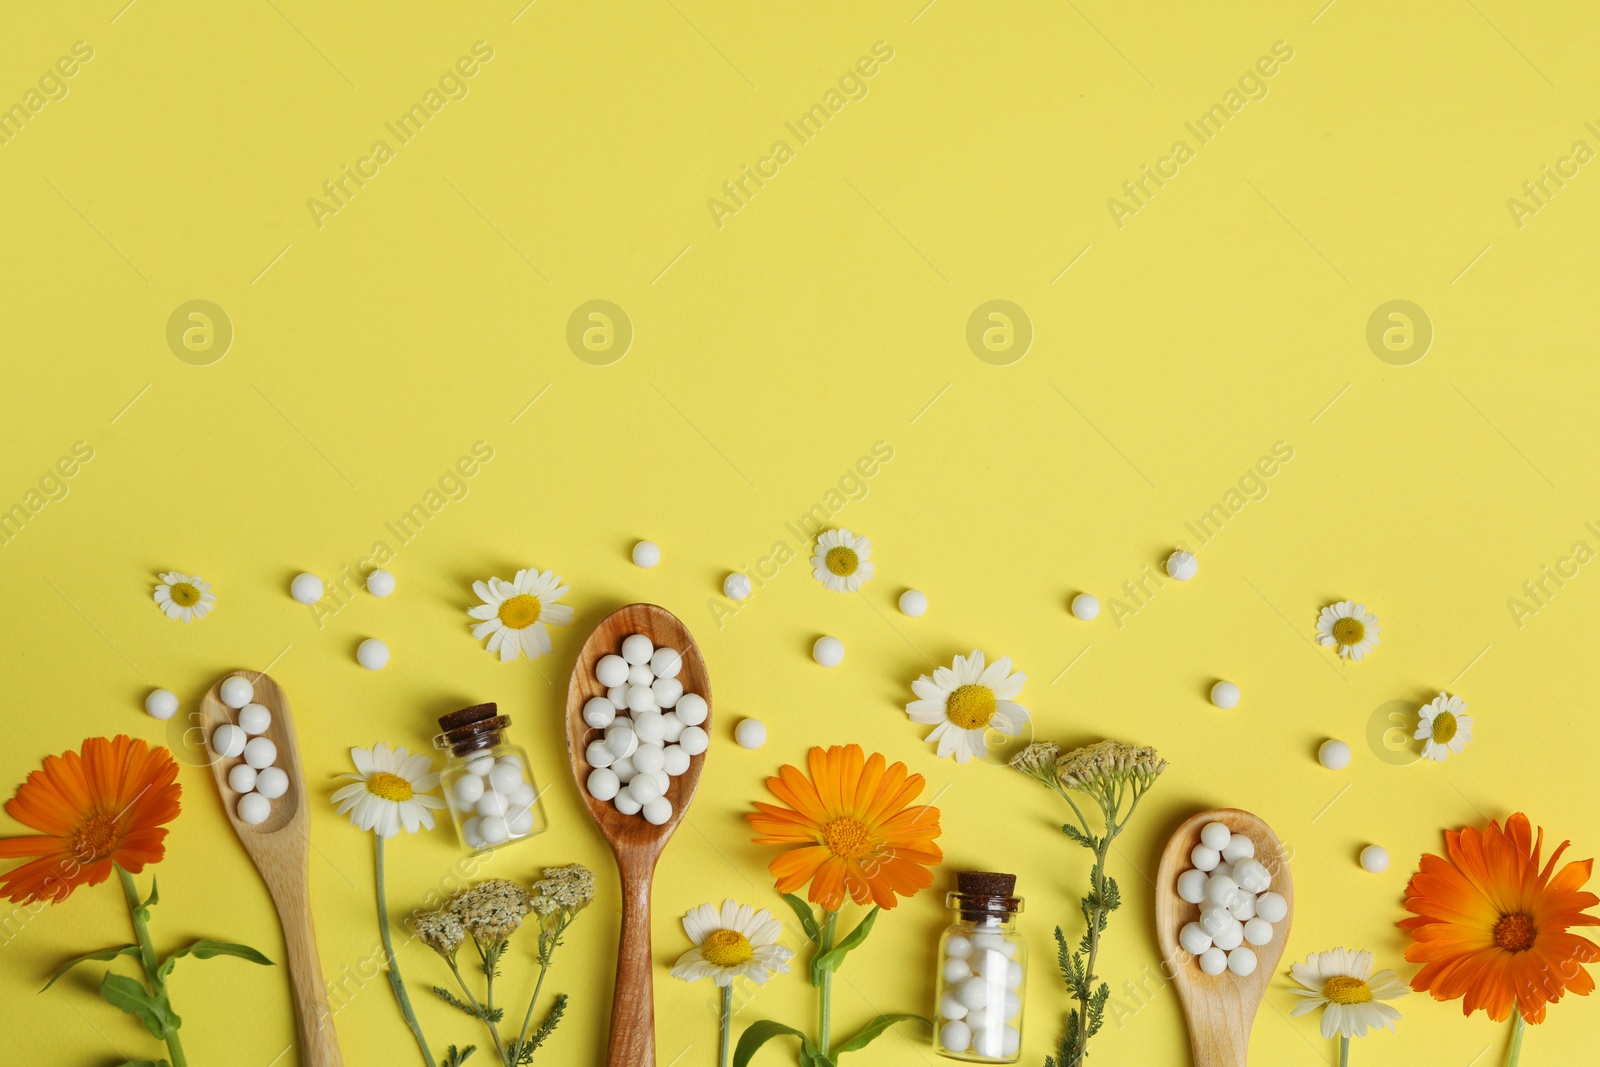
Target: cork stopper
[(985, 895), (470, 729)]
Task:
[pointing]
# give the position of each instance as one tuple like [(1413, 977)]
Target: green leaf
[(124, 993), (830, 960), (103, 955), (154, 896), (876, 1027), (759, 1033), (455, 1058), (808, 918), (204, 949)]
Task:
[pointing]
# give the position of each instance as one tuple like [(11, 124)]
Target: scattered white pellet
[(1272, 907), (242, 778), (228, 741), (255, 719), (1202, 858), (694, 740), (1192, 888), (380, 583), (598, 713), (626, 804), (603, 783), (914, 602), (1194, 939), (1242, 961), (253, 809), (649, 758), (665, 663), (1085, 606), (667, 691), (611, 671), (674, 760), (657, 811), (828, 651), (272, 782), (1215, 835), (372, 654), (750, 733), (1334, 754), (1239, 847), (691, 709), (161, 703), (306, 588), (1225, 695), (1257, 931), (1213, 960), (260, 752), (646, 554), (737, 587), (644, 788), (641, 674), (1375, 859), (236, 691), (1182, 565)]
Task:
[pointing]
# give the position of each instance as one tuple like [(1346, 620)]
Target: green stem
[(1517, 1027), (725, 1045), (395, 981), (544, 965), (825, 986), (1344, 1052), (147, 959), (490, 960), (1096, 921)]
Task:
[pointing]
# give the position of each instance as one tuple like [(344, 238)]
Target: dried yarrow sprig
[(486, 916), (1115, 776)]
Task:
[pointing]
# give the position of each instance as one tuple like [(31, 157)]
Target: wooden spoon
[(1221, 1008), (636, 843), (280, 849)]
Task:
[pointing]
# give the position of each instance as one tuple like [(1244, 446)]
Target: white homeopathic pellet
[(611, 672), (260, 752), (306, 588), (665, 663), (828, 651), (380, 583), (468, 788), (598, 713), (1225, 695), (737, 587), (236, 691), (667, 691), (272, 782), (1375, 859), (255, 719), (1085, 606), (1192, 887), (161, 703), (1182, 565), (253, 809), (657, 811), (691, 709), (1272, 907), (372, 654), (1215, 835), (242, 778), (228, 741), (694, 740), (1239, 847), (1334, 754), (637, 649), (914, 602), (750, 733), (646, 554), (674, 760), (603, 783)]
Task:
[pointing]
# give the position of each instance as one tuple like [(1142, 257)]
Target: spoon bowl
[(1220, 1008), (636, 843)]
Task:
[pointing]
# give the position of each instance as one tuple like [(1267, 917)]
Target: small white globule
[(494, 829), (272, 782), (737, 586), (1225, 695), (667, 691), (253, 809), (236, 691), (505, 777), (1271, 907), (1215, 835), (1182, 565), (611, 671), (648, 758), (161, 703), (626, 804), (1242, 961), (372, 654), (828, 651), (242, 778), (640, 698), (694, 740), (750, 733), (598, 713), (671, 728), (1192, 886), (651, 726), (1334, 754), (914, 603), (228, 740), (1085, 607), (646, 554), (306, 588), (597, 754), (380, 583), (674, 760), (1204, 859), (1239, 848), (637, 649), (1257, 931), (657, 811), (603, 784), (692, 709), (1194, 938), (468, 788), (1213, 960), (255, 719), (1374, 859), (666, 663)]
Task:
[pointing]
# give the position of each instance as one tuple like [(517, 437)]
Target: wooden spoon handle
[(1224, 1044), (319, 1043), (633, 1012)]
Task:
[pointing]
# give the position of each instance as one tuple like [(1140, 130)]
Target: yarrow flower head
[(1038, 760), (563, 889), (491, 911), (441, 931), (1099, 769)]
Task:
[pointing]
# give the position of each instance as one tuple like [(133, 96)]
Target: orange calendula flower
[(1489, 925), (855, 826), (102, 806)]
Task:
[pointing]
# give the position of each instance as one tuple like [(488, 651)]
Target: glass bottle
[(487, 782), (982, 971)]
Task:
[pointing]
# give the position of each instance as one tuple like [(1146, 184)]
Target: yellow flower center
[(95, 839), (847, 838), (726, 948), (1342, 989), (389, 786), (970, 707), (184, 595), (843, 561), (521, 611), (1444, 727), (1515, 932), (1349, 631)]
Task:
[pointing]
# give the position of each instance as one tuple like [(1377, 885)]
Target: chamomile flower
[(1445, 727), (842, 561), (185, 597), (390, 791), (1351, 997), (514, 615), (737, 942), (1349, 629), (964, 701)]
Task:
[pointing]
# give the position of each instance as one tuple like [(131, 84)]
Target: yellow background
[(769, 355)]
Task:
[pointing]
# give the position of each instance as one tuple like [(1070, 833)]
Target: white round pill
[(260, 752), (651, 726), (1203, 858), (621, 739), (665, 663), (603, 783), (1374, 859), (1242, 961), (626, 804), (646, 554), (161, 703), (1257, 931), (737, 587), (618, 695), (671, 728), (505, 777), (1011, 1042), (640, 674), (1244, 907), (694, 740), (958, 946), (667, 691), (640, 698), (973, 992), (372, 654), (1239, 847), (469, 833), (828, 651), (228, 740), (242, 778), (1225, 695), (691, 709), (1085, 606), (236, 691), (598, 754), (380, 583), (955, 1035), (623, 769), (1231, 937), (657, 811), (637, 649), (1222, 890), (598, 712), (520, 822), (272, 782), (1182, 565), (481, 765), (1334, 754), (494, 829), (914, 602), (955, 970), (1192, 886), (1271, 907), (649, 758), (1252, 876), (253, 809), (750, 733), (1213, 960), (1215, 920), (644, 788), (611, 671), (467, 790), (1194, 939), (522, 795), (492, 803), (1215, 835), (674, 760), (255, 719), (306, 588)]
